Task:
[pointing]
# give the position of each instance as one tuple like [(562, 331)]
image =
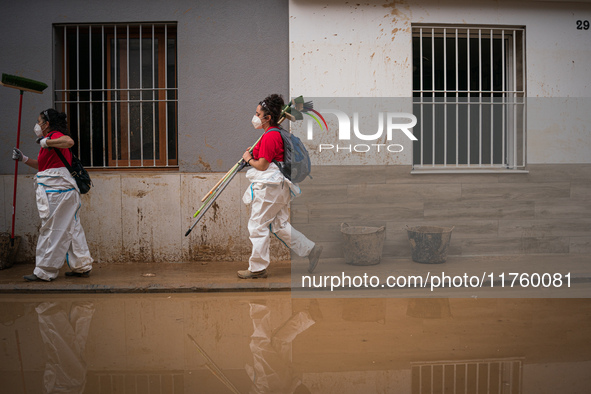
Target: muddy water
[(271, 343)]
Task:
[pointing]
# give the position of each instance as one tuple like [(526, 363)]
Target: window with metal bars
[(494, 376), (469, 98), (118, 85)]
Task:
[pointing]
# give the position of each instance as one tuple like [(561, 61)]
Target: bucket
[(363, 245), (8, 252), (429, 244)]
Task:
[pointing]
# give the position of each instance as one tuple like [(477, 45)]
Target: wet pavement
[(197, 328), (285, 276), (269, 342), (149, 277)]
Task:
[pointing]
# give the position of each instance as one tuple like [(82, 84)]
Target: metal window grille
[(137, 383), (490, 376), (118, 85), (469, 98)]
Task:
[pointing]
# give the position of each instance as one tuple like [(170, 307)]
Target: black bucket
[(429, 244), (8, 250)]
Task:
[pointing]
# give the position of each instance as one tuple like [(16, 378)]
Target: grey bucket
[(429, 244), (363, 245), (8, 251)]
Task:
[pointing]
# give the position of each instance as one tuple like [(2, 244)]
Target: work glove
[(43, 142), (18, 155)]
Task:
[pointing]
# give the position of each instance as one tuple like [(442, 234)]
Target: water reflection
[(272, 370), (271, 343), (64, 331)]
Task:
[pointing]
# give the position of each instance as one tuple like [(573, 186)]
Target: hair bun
[(274, 105)]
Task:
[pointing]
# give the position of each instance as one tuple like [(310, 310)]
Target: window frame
[(510, 98), (163, 93)]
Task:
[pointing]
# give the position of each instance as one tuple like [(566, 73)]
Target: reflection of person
[(64, 334), (272, 371), (269, 195), (61, 237)]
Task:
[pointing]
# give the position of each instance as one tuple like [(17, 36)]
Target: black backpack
[(296, 164), (77, 171)]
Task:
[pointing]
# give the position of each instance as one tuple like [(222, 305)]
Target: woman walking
[(269, 195), (61, 237)]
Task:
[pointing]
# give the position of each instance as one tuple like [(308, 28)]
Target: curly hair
[(57, 120), (273, 105)]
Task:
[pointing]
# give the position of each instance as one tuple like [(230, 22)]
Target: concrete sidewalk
[(149, 277), (221, 276)]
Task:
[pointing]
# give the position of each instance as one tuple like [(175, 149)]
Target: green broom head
[(298, 103), (291, 114), (292, 109), (25, 83)]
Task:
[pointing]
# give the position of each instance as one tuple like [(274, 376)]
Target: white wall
[(345, 49)]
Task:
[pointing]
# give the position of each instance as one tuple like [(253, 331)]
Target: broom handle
[(220, 181), (230, 171), (235, 165), (211, 199), (18, 138)]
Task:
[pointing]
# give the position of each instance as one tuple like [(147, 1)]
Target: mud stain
[(206, 166), (215, 207), (142, 193), (401, 15)]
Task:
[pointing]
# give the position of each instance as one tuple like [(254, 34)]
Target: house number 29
[(582, 25)]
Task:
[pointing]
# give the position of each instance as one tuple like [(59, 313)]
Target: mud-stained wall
[(143, 217), (364, 49), (231, 54), (335, 48)]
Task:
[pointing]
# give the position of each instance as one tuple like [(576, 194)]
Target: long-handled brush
[(292, 111), (24, 85), (213, 196), (218, 188), (215, 370)]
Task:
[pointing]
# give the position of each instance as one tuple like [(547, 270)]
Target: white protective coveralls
[(269, 195), (61, 237)]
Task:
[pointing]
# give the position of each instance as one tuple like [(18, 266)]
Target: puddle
[(271, 343)]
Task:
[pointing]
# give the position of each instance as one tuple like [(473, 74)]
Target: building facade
[(159, 98)]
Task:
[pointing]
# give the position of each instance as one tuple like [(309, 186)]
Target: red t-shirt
[(49, 159), (270, 147)]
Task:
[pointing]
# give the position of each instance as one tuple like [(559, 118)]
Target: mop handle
[(220, 181), (210, 196), (211, 199), (230, 171), (241, 160), (18, 138), (221, 186)]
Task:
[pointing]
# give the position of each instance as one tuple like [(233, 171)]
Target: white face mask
[(256, 122), (38, 130)]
